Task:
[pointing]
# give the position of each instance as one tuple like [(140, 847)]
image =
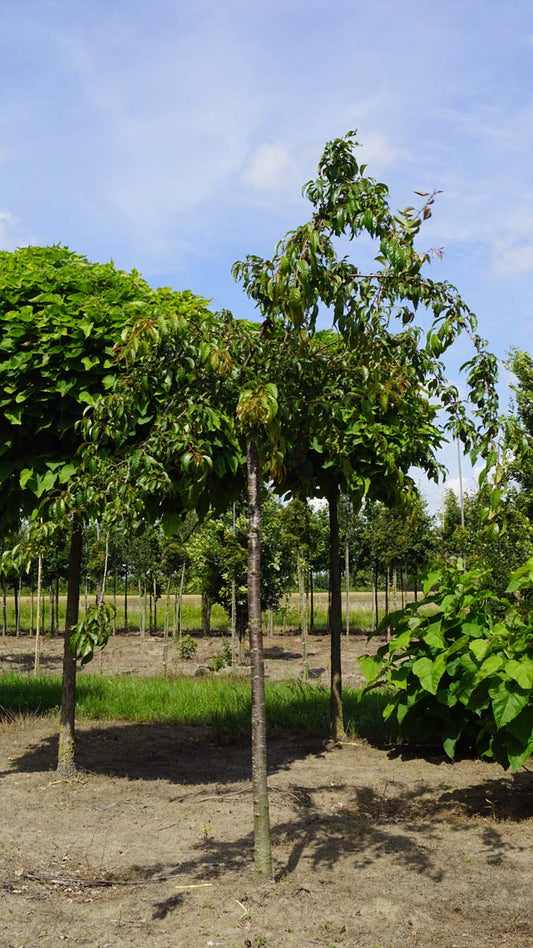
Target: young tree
[(378, 308)]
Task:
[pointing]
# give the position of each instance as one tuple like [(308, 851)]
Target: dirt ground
[(151, 844)]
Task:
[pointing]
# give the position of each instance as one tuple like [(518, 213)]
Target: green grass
[(223, 704), (285, 617)]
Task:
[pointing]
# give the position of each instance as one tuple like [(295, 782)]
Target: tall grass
[(224, 704)]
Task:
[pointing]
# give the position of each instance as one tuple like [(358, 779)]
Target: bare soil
[(151, 844)]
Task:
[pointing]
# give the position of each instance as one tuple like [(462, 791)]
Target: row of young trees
[(189, 408)]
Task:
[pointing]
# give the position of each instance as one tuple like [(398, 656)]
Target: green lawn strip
[(223, 704)]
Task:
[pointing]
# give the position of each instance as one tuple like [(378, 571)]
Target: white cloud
[(12, 232), (513, 251), (268, 167)]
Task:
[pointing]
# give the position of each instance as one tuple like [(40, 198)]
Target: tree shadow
[(25, 661), (181, 754)]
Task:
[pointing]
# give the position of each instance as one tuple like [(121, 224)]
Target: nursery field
[(151, 843)]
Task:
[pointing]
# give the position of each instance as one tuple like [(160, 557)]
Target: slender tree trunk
[(37, 659), (303, 617), (154, 587), (17, 607), (262, 841), (65, 761), (376, 594), (56, 594), (32, 602), (4, 606), (126, 599), (150, 611), (347, 577), (85, 595), (166, 627), (335, 619), (52, 610), (206, 614), (312, 598), (271, 621), (387, 587), (416, 589), (180, 602), (114, 600), (142, 612)]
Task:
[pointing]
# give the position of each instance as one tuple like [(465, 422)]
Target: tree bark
[(262, 841), (206, 614), (347, 577), (37, 659), (65, 760), (303, 617), (126, 599), (335, 619)]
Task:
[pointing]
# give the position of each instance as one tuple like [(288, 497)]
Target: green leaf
[(507, 703), (521, 672), (429, 672), (479, 647)]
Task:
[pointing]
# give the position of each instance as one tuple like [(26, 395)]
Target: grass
[(286, 617), (221, 704)]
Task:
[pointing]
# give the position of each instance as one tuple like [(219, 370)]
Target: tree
[(304, 275), (61, 318)]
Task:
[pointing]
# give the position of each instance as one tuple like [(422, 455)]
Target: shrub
[(461, 667), (187, 647)]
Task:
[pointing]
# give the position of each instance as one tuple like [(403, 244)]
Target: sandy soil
[(151, 844)]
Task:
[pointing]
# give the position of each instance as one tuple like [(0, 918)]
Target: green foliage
[(92, 631), (187, 647), (222, 658), (461, 665), (60, 318)]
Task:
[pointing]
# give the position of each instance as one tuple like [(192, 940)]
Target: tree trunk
[(347, 577), (126, 599), (312, 599), (335, 619), (56, 593), (387, 586), (303, 617), (4, 606), (37, 659), (17, 607), (180, 602), (376, 593), (114, 600), (206, 614), (262, 842), (154, 586), (166, 626), (65, 761), (142, 611), (32, 602)]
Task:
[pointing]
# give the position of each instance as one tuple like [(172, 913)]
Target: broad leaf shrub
[(460, 665)]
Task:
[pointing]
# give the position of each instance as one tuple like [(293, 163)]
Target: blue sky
[(174, 137)]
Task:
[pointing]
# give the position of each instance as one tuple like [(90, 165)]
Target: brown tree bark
[(65, 759), (335, 619), (262, 841)]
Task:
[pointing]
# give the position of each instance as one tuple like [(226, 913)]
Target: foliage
[(187, 647), (92, 631), (61, 317), (461, 665)]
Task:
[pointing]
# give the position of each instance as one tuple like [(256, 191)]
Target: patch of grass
[(223, 704)]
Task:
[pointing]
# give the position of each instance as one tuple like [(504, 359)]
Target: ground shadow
[(25, 661), (181, 754)]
